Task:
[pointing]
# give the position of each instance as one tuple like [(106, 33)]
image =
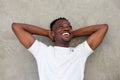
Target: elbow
[(15, 26), (105, 27)]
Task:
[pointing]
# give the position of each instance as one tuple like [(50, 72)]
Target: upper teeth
[(65, 33)]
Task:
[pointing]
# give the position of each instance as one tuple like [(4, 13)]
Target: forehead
[(61, 23)]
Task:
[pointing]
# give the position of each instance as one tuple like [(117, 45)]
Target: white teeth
[(65, 33)]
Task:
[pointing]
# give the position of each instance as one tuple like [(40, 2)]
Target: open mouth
[(66, 36), (66, 33)]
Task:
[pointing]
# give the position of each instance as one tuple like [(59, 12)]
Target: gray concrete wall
[(16, 63)]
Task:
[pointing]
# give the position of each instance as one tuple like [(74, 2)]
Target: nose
[(66, 28)]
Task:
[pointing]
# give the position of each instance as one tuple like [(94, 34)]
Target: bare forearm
[(24, 33), (87, 31), (96, 34), (32, 29)]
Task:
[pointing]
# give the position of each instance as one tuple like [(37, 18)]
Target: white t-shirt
[(60, 63)]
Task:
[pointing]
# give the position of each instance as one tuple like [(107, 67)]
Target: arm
[(96, 34), (24, 33)]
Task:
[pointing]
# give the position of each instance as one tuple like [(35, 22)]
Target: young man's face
[(62, 31)]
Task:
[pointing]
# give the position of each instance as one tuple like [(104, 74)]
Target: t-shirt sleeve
[(84, 49), (37, 48)]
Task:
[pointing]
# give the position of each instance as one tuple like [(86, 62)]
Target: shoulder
[(84, 48), (37, 45), (39, 49)]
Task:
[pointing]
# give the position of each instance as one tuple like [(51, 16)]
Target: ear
[(51, 35)]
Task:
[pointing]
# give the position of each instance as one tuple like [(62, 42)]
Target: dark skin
[(61, 33), (58, 30)]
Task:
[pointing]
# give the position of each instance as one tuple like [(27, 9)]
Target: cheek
[(57, 35), (58, 32)]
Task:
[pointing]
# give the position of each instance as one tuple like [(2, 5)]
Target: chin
[(67, 40)]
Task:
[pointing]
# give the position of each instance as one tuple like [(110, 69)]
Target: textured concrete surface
[(16, 63)]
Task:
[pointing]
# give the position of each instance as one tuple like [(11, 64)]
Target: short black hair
[(53, 22)]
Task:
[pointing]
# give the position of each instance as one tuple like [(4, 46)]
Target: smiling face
[(62, 32)]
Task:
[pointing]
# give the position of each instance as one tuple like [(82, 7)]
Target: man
[(60, 62)]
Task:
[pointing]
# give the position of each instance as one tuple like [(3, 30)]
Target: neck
[(62, 44)]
